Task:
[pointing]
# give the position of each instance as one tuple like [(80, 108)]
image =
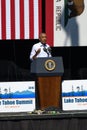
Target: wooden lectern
[(48, 72)]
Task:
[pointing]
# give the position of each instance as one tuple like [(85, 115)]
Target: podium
[(49, 73)]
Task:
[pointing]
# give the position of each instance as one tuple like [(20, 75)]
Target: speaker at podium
[(49, 73)]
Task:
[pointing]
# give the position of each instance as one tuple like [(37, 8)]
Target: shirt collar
[(44, 45)]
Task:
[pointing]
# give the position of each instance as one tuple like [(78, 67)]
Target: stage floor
[(76, 120), (51, 115)]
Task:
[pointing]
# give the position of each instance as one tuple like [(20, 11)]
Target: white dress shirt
[(43, 53)]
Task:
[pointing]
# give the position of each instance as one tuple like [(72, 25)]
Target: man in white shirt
[(41, 49)]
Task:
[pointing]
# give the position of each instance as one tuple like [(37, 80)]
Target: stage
[(76, 120)]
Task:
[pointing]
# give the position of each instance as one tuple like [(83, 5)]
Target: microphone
[(49, 49), (45, 50)]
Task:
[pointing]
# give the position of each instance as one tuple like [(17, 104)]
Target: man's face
[(43, 38)]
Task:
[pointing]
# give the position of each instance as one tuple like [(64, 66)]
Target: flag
[(54, 9), (66, 13), (20, 19), (62, 22), (49, 27)]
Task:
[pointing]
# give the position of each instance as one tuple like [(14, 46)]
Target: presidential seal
[(50, 65)]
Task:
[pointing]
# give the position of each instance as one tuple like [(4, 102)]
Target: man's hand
[(37, 52)]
